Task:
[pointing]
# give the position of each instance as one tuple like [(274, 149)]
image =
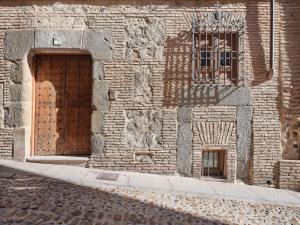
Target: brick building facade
[(147, 114)]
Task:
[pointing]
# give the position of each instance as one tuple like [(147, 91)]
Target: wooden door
[(62, 121)]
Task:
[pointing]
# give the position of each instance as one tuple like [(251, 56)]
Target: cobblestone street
[(30, 199)]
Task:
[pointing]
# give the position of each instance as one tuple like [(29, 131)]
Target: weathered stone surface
[(18, 43), (69, 39), (184, 141), (98, 73), (100, 95), (20, 92), (98, 143), (145, 156), (18, 115), (97, 122), (19, 144), (98, 43), (143, 129), (1, 105), (16, 71), (142, 88), (215, 95), (291, 138), (184, 149), (144, 38), (244, 135), (184, 115)]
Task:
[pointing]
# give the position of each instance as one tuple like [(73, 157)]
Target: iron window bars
[(213, 163), (217, 49)]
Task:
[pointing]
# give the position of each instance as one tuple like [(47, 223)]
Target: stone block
[(48, 39), (98, 143), (18, 115), (18, 43), (184, 141), (143, 91), (97, 122), (244, 135), (143, 129), (100, 95), (20, 92), (16, 72), (216, 95), (98, 43), (1, 105), (144, 38), (98, 73), (19, 144), (184, 114), (20, 71)]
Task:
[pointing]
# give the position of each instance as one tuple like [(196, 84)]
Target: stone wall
[(149, 77), (289, 177)]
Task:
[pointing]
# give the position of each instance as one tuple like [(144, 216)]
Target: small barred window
[(216, 50), (213, 163)]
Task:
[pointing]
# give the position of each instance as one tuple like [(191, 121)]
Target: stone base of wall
[(289, 174)]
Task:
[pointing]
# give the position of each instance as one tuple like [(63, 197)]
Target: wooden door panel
[(62, 105), (78, 105), (49, 89)]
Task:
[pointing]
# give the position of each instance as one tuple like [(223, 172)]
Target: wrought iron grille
[(217, 49), (213, 163)]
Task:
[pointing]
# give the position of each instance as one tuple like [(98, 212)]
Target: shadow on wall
[(289, 69), (178, 88), (39, 200), (178, 68), (257, 54)]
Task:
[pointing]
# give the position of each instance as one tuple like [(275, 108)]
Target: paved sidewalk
[(154, 183)]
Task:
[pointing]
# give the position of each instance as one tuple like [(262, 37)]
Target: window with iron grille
[(217, 49), (213, 163)]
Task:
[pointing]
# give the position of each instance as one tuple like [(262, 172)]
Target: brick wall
[(214, 128), (289, 177), (6, 143), (150, 72)]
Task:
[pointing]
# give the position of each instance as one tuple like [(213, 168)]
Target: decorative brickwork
[(214, 129)]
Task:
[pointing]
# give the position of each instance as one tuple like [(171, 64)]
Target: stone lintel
[(215, 95), (18, 43), (58, 39)]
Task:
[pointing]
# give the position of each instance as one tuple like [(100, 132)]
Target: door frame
[(33, 83), (21, 45)]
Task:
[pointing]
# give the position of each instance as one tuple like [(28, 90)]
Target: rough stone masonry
[(146, 114)]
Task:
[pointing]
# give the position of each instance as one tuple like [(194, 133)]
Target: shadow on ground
[(31, 199)]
